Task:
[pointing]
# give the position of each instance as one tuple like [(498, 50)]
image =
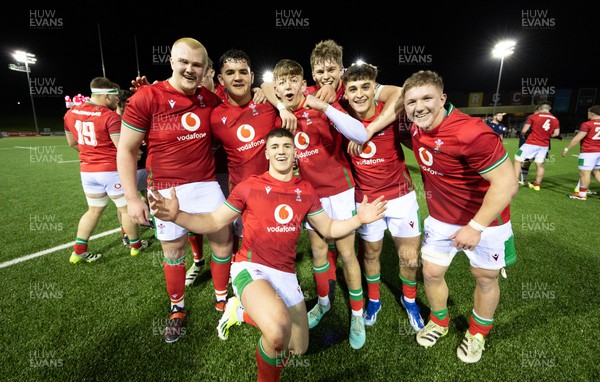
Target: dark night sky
[(455, 42)]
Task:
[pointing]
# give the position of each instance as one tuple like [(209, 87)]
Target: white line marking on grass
[(31, 147), (50, 250)]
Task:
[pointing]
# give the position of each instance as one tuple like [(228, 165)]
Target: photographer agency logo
[(537, 19), (291, 19), (413, 55), (46, 87), (533, 86), (161, 54), (45, 19)]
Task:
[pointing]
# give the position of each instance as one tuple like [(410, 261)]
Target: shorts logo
[(301, 140), (190, 121), (245, 133), (425, 156), (368, 150), (283, 214), (118, 186)]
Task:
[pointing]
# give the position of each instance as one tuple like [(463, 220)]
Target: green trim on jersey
[(498, 163), (347, 175), (232, 207), (315, 213), (133, 127)]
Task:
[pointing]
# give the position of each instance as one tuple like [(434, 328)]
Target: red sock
[(249, 320), (477, 327), (536, 184), (441, 322), (332, 256), (322, 280), (135, 243), (80, 248), (195, 241), (269, 369), (219, 269), (356, 299), (373, 286), (409, 291), (175, 279)]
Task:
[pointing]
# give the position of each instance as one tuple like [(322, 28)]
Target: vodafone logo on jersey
[(190, 121), (245, 133), (425, 156), (283, 214), (301, 140), (368, 150)]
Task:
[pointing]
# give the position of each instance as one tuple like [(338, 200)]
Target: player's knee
[(372, 254), (277, 336), (484, 278), (433, 273), (409, 257)]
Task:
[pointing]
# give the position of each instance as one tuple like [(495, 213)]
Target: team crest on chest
[(252, 106), (298, 192), (305, 116), (438, 144)]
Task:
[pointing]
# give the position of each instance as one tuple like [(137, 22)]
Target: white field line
[(30, 147), (54, 249)]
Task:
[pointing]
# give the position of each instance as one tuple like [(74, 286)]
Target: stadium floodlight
[(502, 49), (28, 59), (267, 76)]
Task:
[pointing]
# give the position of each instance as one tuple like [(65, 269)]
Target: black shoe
[(175, 328), (200, 263), (331, 293), (125, 241)]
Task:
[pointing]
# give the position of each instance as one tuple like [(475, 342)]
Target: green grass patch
[(103, 321)]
